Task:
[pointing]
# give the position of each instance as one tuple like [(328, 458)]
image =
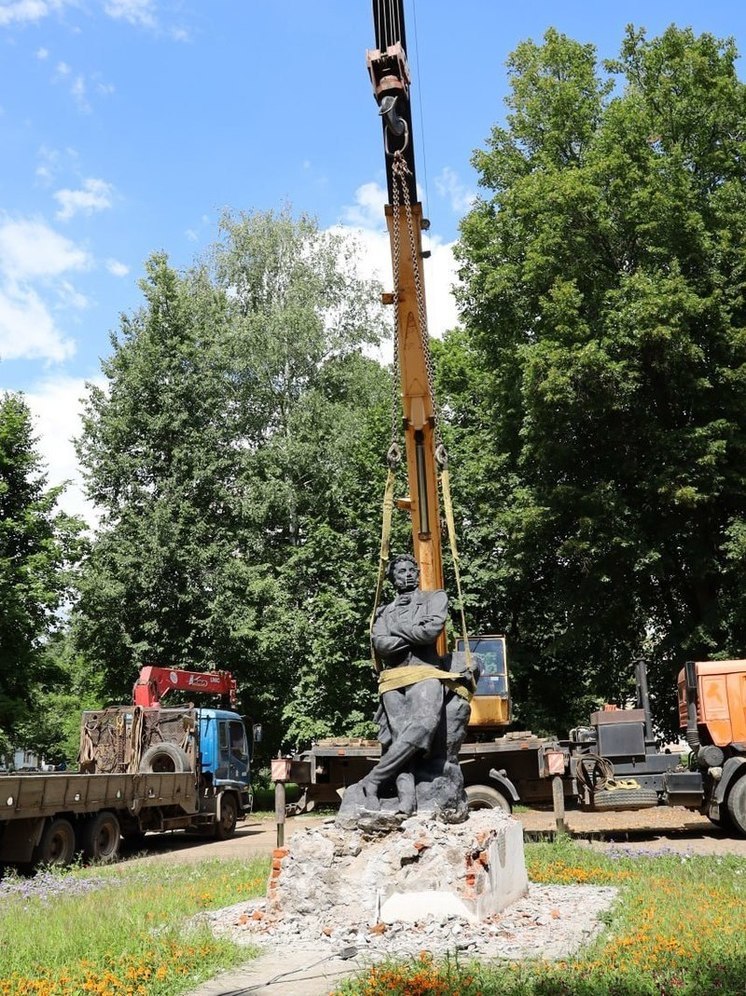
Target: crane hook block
[(388, 71)]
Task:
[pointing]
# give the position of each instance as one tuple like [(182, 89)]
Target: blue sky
[(128, 126)]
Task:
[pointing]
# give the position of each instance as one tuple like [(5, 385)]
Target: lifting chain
[(400, 172)]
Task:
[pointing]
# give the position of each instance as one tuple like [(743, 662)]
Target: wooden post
[(280, 812), (558, 801)]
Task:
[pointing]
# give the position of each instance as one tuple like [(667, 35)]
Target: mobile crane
[(426, 455), (492, 768)]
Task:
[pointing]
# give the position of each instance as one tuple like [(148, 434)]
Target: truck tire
[(166, 757), (100, 836), (486, 797), (226, 825), (737, 805), (620, 799), (57, 844)]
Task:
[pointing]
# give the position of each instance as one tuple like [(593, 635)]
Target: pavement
[(304, 971)]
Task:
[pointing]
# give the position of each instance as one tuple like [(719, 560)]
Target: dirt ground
[(644, 831)]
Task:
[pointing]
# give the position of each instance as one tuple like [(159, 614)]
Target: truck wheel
[(165, 757), (100, 836), (57, 844), (621, 799), (486, 797), (737, 805), (226, 825)]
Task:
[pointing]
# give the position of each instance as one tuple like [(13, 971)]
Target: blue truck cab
[(225, 754)]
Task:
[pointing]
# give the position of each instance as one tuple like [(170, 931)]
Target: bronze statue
[(424, 708)]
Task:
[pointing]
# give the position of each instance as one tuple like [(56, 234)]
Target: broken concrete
[(425, 869)]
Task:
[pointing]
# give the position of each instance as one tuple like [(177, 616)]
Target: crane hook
[(387, 109)]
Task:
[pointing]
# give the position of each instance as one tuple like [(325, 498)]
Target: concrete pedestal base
[(423, 870)]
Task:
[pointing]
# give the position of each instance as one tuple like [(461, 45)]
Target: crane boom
[(154, 682), (389, 73)]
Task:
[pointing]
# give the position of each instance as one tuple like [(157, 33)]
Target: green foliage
[(606, 338), (236, 454), (38, 546), (56, 940), (52, 725)]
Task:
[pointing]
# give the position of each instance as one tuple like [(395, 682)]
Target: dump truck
[(143, 767)]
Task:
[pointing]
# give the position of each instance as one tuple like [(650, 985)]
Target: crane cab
[(490, 707)]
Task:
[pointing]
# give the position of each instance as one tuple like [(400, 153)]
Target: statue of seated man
[(423, 711), (404, 634)]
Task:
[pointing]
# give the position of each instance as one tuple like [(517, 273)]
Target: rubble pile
[(425, 868), (427, 887)]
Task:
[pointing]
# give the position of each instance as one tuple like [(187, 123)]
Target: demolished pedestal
[(425, 869)]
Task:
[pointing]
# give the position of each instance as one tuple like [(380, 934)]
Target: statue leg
[(414, 714)]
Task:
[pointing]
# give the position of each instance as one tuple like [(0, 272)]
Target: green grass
[(120, 929), (677, 929)]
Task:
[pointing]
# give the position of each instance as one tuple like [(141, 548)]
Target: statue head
[(404, 572)]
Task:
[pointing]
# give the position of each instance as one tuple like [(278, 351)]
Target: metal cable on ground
[(344, 955)]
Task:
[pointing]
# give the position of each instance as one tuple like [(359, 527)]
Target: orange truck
[(712, 712)]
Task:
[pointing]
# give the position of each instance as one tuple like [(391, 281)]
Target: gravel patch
[(551, 922)]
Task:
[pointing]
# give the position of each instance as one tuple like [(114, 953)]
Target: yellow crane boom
[(389, 73)]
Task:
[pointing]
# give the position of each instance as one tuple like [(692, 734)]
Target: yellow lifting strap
[(409, 674), (445, 487), (619, 784), (383, 557)]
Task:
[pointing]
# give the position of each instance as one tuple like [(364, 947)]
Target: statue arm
[(426, 628), (385, 640)]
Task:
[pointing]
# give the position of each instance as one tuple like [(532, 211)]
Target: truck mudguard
[(505, 783), (732, 767)]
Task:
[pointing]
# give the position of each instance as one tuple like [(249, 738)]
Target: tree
[(604, 294), (38, 547), (223, 455)]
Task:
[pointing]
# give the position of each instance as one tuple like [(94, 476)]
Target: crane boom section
[(389, 73)]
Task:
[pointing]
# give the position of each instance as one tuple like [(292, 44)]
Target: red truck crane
[(154, 683), (143, 767)]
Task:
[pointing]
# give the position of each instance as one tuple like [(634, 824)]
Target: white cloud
[(78, 91), (94, 195), (42, 53), (56, 406), (133, 11), (69, 297), (62, 69), (21, 11), (117, 269), (27, 329), (30, 248), (367, 211), (450, 187), (31, 252)]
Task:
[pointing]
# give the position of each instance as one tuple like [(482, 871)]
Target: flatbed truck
[(143, 768)]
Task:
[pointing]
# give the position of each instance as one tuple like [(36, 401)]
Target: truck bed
[(32, 795)]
